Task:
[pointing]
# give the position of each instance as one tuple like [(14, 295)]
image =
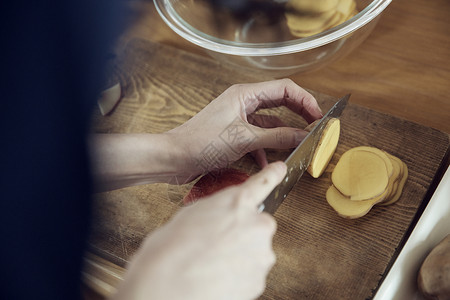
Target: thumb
[(279, 138), (260, 185)]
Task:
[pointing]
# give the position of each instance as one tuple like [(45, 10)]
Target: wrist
[(121, 160), (181, 158)]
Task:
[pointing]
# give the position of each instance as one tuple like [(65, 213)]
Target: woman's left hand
[(227, 128)]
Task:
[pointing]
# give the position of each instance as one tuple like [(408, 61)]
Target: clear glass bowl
[(258, 43)]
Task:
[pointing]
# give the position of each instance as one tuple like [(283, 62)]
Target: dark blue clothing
[(52, 58)]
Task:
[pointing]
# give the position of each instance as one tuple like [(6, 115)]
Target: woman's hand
[(217, 248), (226, 129)]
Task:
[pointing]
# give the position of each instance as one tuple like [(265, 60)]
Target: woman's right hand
[(218, 248)]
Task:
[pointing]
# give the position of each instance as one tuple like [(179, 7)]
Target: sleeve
[(51, 64)]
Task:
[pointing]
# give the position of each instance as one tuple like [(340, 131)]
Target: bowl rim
[(178, 25)]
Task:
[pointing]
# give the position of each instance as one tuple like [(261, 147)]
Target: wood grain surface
[(402, 68), (319, 254)]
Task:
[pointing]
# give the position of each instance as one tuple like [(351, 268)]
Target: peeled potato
[(314, 6), (344, 11), (360, 175), (309, 23), (346, 7), (325, 149), (395, 175), (355, 171), (309, 17), (398, 190), (347, 208), (380, 153)]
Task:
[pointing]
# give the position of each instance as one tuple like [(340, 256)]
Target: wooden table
[(402, 69)]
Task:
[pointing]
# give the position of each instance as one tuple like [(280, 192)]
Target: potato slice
[(312, 125), (309, 17), (346, 7), (325, 149), (312, 6), (395, 177), (345, 11), (297, 25), (361, 174), (307, 23), (347, 208), (398, 191), (379, 152)]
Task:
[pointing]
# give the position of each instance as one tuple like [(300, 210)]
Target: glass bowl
[(260, 39)]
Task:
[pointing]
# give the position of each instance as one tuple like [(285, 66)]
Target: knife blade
[(299, 160)]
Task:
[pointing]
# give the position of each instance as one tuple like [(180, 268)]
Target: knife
[(299, 160)]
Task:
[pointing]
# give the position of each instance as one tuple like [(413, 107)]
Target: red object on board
[(215, 181)]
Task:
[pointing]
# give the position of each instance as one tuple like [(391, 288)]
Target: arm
[(121, 160), (224, 131)]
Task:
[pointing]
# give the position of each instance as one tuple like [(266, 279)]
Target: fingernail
[(280, 166), (321, 112)]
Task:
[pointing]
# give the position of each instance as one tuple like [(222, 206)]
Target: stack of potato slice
[(309, 17), (364, 177)]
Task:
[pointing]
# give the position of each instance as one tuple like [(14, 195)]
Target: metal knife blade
[(300, 158)]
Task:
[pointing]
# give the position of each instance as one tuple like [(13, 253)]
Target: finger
[(265, 121), (267, 222), (279, 138), (283, 92), (259, 186), (260, 157)]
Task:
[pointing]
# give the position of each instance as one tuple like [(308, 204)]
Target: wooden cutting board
[(319, 254)]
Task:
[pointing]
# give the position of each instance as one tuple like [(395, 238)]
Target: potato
[(360, 174), (313, 6), (346, 8), (306, 25), (397, 174), (398, 186), (309, 17), (349, 209), (325, 149), (434, 276), (382, 154), (364, 177)]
